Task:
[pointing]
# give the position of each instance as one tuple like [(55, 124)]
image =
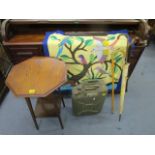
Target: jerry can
[(88, 97)]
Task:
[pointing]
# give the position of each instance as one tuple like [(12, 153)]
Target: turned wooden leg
[(28, 101), (60, 121)]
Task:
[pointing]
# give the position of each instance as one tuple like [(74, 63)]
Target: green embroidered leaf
[(80, 39), (92, 58), (89, 42), (118, 58), (116, 69), (95, 57), (111, 37), (54, 38), (69, 42), (65, 57), (69, 76)]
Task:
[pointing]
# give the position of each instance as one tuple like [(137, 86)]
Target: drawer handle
[(24, 53)]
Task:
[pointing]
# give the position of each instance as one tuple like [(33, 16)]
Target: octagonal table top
[(36, 77)]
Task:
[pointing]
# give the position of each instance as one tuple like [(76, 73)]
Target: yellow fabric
[(84, 55)]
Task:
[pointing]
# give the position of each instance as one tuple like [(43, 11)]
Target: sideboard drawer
[(18, 53), (24, 50)]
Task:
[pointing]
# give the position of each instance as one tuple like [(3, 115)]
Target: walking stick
[(123, 89)]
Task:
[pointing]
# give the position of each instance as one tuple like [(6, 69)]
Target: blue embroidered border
[(45, 45)]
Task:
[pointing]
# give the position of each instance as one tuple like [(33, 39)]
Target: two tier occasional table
[(36, 77)]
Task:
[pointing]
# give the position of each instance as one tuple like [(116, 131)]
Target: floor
[(138, 117)]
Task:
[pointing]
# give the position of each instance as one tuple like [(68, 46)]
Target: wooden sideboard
[(5, 66), (22, 39)]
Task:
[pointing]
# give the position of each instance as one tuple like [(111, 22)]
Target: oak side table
[(36, 77)]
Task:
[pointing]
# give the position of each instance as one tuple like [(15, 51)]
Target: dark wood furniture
[(5, 66), (22, 39), (3, 88), (36, 77)]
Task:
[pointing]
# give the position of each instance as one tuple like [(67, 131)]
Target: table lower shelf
[(48, 107)]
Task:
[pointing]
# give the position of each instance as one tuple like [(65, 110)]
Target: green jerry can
[(88, 97)]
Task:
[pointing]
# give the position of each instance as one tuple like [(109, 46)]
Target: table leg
[(62, 99), (28, 101), (60, 121)]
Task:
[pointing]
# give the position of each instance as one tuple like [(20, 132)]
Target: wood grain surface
[(36, 77)]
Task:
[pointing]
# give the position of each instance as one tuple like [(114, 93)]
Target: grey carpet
[(138, 117)]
